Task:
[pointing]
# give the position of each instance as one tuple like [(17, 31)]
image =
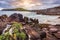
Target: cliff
[(50, 11)]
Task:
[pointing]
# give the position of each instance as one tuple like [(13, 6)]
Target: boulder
[(16, 17), (43, 35), (20, 17), (26, 19)]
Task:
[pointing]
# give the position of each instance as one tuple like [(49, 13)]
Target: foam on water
[(41, 18)]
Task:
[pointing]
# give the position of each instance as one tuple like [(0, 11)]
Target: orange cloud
[(26, 3)]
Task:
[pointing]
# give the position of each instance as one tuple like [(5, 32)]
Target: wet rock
[(26, 20), (58, 17), (13, 17), (57, 35), (45, 30), (36, 27), (31, 20), (53, 30), (3, 17), (20, 17), (16, 17), (43, 35), (33, 35), (44, 25), (36, 21), (58, 27)]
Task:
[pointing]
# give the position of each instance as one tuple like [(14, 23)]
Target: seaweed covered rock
[(14, 32)]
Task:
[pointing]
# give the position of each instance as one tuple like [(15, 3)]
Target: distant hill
[(16, 9), (49, 11)]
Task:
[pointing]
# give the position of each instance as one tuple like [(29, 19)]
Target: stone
[(26, 19), (20, 17), (43, 35), (16, 17), (57, 34), (53, 30)]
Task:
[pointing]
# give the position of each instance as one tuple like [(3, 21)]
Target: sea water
[(42, 18)]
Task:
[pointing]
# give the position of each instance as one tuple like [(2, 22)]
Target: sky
[(29, 4)]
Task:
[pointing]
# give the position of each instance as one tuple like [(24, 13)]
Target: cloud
[(57, 2), (48, 1), (2, 1), (45, 4), (41, 7), (5, 4)]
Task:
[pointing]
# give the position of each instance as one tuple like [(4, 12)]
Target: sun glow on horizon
[(26, 3)]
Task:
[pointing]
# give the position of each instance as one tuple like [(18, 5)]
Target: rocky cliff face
[(50, 11)]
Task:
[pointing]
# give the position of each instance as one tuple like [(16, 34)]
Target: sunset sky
[(29, 4)]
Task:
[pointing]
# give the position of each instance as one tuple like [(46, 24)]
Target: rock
[(36, 27), (36, 21), (2, 26), (53, 30), (32, 33), (20, 17), (44, 25), (3, 17), (58, 17), (45, 30), (31, 20), (3, 22), (57, 35), (43, 35), (16, 17), (49, 11), (26, 19)]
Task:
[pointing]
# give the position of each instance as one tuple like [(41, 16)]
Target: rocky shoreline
[(49, 11), (31, 27)]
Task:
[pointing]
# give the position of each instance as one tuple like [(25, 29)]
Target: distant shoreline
[(49, 11)]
